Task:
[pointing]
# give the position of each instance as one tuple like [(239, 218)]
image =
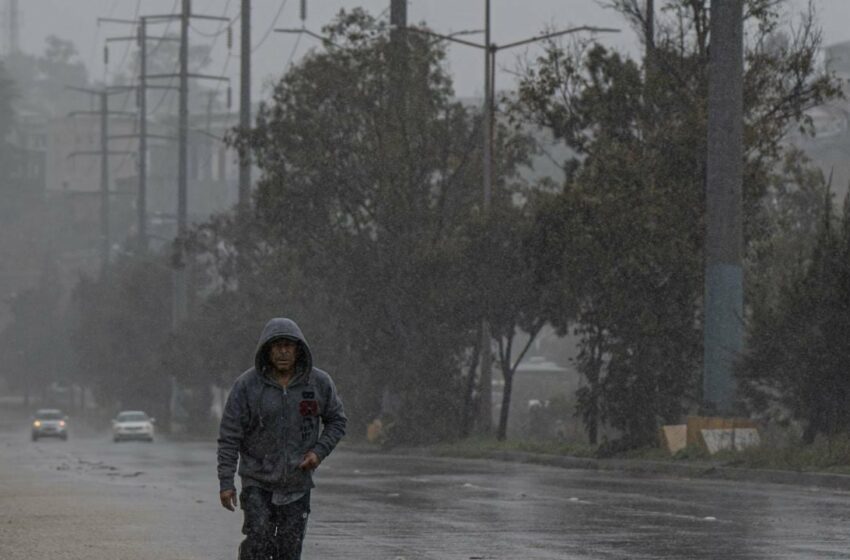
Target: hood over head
[(281, 327)]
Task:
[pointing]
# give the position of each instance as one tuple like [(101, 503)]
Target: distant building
[(829, 146), (837, 58), (73, 167), (59, 173), (27, 143), (212, 172)]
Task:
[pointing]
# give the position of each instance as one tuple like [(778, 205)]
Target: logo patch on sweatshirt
[(309, 408)]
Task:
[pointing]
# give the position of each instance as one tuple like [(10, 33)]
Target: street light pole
[(488, 125), (485, 405)]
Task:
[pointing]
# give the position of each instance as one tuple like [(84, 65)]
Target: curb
[(706, 471), (682, 470)]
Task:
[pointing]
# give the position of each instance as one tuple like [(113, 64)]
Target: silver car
[(132, 424), (49, 422)]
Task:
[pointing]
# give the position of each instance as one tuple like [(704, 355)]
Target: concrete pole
[(650, 27), (180, 280), (245, 106), (398, 14), (14, 27), (183, 123), (723, 335), (485, 408), (141, 201), (398, 70), (104, 183)]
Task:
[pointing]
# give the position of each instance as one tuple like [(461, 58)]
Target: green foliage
[(795, 366), (367, 228), (628, 231), (120, 327), (34, 344)]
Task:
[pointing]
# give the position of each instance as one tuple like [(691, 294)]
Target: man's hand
[(310, 461), (228, 499)]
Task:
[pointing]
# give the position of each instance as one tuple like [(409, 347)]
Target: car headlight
[(36, 424), (61, 423)]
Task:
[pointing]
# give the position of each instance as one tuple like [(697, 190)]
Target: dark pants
[(272, 532)]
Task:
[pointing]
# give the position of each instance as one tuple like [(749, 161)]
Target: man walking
[(271, 425)]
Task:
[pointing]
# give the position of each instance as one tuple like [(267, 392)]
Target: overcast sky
[(512, 19)]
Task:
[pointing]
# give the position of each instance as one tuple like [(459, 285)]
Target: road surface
[(92, 499)]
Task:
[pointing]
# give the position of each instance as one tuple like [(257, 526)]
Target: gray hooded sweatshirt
[(268, 429)]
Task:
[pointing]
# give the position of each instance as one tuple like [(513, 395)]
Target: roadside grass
[(829, 455), (481, 447), (826, 455)]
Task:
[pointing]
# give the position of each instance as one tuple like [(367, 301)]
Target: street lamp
[(490, 50)]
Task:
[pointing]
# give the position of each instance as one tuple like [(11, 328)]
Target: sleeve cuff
[(320, 452)]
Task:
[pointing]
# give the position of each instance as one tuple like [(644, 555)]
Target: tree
[(632, 207), (120, 329), (364, 216), (45, 78), (517, 299), (795, 365), (34, 343)]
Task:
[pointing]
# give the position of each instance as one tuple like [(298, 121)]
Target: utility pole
[(649, 32), (142, 201), (723, 335), (104, 183), (398, 54), (245, 108), (104, 153), (181, 284), (181, 288), (183, 121), (398, 14), (141, 39), (14, 27)]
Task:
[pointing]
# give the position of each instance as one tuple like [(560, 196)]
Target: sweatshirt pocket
[(262, 464), (297, 477)]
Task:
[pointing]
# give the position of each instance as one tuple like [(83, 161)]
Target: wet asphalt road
[(139, 500)]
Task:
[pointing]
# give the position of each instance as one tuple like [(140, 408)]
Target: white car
[(132, 424)]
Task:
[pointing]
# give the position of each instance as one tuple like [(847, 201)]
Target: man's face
[(283, 354)]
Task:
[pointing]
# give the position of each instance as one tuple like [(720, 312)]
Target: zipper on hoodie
[(285, 429)]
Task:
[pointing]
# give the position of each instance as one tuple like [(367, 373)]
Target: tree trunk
[(593, 424), (469, 401), (593, 377), (502, 434)]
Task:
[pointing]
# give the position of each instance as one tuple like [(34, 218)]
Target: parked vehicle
[(132, 424), (49, 422)]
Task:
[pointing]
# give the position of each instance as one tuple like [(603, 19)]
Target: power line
[(166, 30), (127, 48), (223, 28), (271, 27), (292, 54)]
